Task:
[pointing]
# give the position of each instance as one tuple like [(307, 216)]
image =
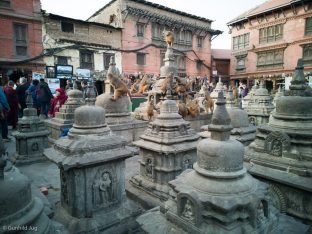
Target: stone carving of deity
[(102, 190), (277, 148), (187, 164), (188, 211), (260, 213), (148, 167)]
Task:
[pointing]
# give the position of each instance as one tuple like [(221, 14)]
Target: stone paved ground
[(46, 174)]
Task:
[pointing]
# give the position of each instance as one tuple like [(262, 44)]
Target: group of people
[(13, 98)]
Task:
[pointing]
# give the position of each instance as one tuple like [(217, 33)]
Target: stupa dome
[(119, 106), (239, 117)]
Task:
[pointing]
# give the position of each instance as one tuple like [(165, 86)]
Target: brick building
[(221, 65), (20, 38), (268, 40), (142, 24), (81, 44)]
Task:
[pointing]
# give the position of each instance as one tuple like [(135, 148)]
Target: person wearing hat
[(57, 102)]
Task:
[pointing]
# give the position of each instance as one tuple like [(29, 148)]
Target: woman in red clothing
[(12, 98), (57, 101)]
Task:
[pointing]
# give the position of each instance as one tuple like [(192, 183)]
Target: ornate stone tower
[(218, 196), (282, 151), (260, 106), (92, 173), (31, 137)]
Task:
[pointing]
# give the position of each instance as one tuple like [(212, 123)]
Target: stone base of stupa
[(200, 120), (119, 219), (56, 128), (291, 193), (30, 146)]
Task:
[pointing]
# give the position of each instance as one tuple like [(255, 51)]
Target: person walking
[(21, 93), (44, 96), (32, 89), (57, 102), (12, 98), (4, 109)]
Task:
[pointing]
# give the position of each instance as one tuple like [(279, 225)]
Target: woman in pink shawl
[(57, 102)]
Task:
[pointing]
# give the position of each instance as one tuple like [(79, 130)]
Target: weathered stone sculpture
[(218, 196), (282, 151), (31, 137), (219, 88), (92, 173), (20, 212), (260, 106), (65, 117), (247, 98), (167, 147), (116, 105), (280, 92)]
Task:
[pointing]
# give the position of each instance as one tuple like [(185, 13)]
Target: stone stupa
[(65, 117), (167, 147), (282, 151), (260, 106), (245, 101), (92, 173), (31, 136), (20, 211), (218, 196), (117, 114)]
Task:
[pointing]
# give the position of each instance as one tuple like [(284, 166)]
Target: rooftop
[(221, 53)]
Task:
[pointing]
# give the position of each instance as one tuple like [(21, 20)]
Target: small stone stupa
[(219, 196), (20, 212), (282, 151), (260, 106), (247, 98), (31, 136), (167, 147), (280, 92), (65, 117), (219, 88), (92, 173), (117, 114)]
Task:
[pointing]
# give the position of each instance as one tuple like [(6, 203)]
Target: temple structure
[(218, 196), (64, 119), (260, 106), (92, 173), (282, 151), (31, 136)]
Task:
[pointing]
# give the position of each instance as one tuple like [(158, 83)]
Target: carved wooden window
[(182, 36), (140, 29), (157, 31), (181, 62), (271, 34), (307, 54), (62, 60), (86, 59), (21, 40), (188, 37), (270, 59), (5, 3), (308, 26), (67, 27), (199, 64), (200, 42), (141, 58), (241, 41)]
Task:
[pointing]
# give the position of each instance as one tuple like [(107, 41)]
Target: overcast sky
[(221, 11)]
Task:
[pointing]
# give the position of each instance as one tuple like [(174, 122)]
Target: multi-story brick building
[(142, 24), (268, 40), (20, 38), (81, 44)]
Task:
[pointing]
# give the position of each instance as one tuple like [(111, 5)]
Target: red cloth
[(57, 102), (12, 98)]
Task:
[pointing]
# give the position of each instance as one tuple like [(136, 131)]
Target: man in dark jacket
[(44, 97), (21, 93)]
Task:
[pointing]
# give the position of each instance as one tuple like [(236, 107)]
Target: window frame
[(308, 22), (144, 59), (63, 23), (82, 54), (9, 4), (241, 58), (307, 60), (200, 41), (140, 29), (241, 41), (59, 58), (19, 43), (270, 59), (271, 34), (106, 57)]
